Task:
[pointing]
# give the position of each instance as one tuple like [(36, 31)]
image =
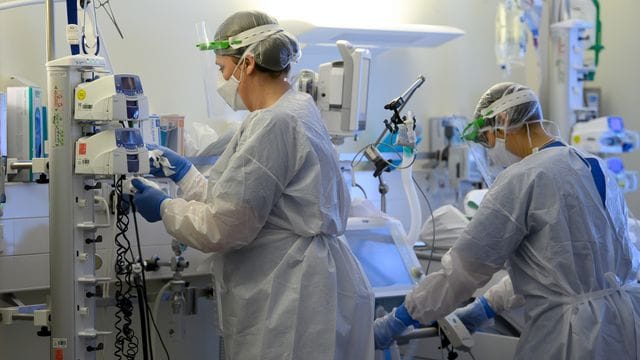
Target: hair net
[(274, 53), (516, 115)]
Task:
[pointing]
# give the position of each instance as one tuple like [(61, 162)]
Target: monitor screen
[(128, 138), (379, 256), (128, 83)]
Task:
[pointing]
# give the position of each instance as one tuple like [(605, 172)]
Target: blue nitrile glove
[(180, 165), (386, 328), (148, 200), (475, 315)]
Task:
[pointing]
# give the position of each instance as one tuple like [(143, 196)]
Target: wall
[(159, 39), (160, 34), (618, 74)]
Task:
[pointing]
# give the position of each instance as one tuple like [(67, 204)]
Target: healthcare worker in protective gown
[(558, 223), (272, 210)]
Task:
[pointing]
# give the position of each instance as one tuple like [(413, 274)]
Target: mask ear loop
[(557, 132), (243, 60)]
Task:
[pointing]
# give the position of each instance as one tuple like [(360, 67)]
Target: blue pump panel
[(615, 165), (131, 140), (616, 124)]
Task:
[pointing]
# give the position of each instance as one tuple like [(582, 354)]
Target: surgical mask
[(228, 90), (500, 155)]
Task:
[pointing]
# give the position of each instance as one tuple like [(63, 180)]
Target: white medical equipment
[(627, 179), (387, 259), (112, 152), (97, 148), (566, 73), (604, 135), (456, 332), (111, 98), (341, 91)]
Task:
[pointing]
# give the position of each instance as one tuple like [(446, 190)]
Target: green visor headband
[(473, 131), (243, 39)]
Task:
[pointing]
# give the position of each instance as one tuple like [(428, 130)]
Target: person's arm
[(243, 196), (193, 185), (481, 250), (500, 297), (491, 237)]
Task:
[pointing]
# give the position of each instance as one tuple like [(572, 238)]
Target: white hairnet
[(274, 53), (516, 115)]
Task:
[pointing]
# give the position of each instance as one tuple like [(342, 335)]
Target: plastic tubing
[(412, 196)]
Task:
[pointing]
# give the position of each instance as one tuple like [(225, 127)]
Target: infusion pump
[(111, 98), (112, 152)]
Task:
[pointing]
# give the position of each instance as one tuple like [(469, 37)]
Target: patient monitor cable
[(126, 342), (129, 277)]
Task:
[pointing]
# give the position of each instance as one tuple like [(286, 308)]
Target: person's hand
[(388, 327), (475, 315), (148, 200), (177, 168)]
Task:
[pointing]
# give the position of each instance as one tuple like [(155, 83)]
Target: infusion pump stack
[(91, 114), (340, 89)]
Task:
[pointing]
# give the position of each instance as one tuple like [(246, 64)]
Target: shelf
[(391, 36)]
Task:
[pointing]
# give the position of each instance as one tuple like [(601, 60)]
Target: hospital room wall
[(618, 75), (159, 37)]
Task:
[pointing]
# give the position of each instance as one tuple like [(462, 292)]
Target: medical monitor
[(387, 260), (343, 89)]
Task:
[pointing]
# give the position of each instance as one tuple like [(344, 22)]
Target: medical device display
[(341, 90)]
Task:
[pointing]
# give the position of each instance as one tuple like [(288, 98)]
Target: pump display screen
[(128, 83), (129, 138)]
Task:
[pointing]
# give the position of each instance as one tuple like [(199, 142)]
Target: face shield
[(216, 107), (475, 134), (270, 45), (244, 39)]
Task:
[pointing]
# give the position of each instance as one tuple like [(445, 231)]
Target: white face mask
[(228, 90), (500, 155)]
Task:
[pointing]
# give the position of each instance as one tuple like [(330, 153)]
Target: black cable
[(433, 223), (144, 281), (144, 278), (155, 326), (144, 322), (126, 342)]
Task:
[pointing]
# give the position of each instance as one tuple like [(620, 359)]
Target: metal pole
[(73, 330), (50, 30), (22, 165)]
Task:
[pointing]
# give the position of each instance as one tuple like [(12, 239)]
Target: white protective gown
[(272, 209), (570, 257)]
